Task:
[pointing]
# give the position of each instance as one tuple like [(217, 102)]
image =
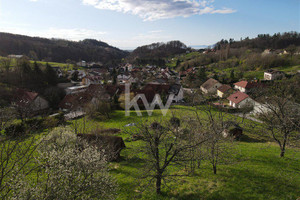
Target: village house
[(245, 86), (224, 91), (177, 90), (240, 100), (273, 74), (81, 73), (267, 52), (98, 71), (15, 56), (128, 67), (88, 80), (191, 70), (31, 101), (58, 71), (76, 101), (122, 78), (210, 86), (76, 89), (82, 64)]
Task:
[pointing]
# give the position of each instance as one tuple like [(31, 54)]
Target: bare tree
[(163, 146), (281, 115), (218, 147), (15, 158)]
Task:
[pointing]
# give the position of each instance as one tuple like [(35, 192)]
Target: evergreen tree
[(232, 77), (75, 76), (25, 67), (38, 76), (50, 75), (201, 75)]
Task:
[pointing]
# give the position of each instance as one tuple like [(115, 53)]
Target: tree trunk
[(283, 148), (158, 184), (282, 151), (215, 169)]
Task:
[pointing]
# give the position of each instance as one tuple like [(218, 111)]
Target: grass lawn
[(63, 66), (256, 171)]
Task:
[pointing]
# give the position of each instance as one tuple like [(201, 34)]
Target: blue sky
[(130, 23)]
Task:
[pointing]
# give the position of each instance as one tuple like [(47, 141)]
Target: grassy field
[(256, 171), (63, 66)]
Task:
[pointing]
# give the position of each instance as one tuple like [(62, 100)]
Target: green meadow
[(255, 172)]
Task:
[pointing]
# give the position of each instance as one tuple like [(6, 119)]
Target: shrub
[(50, 122), (15, 130), (69, 172)]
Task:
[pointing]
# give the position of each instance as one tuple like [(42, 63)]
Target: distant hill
[(58, 50), (264, 41), (155, 53)]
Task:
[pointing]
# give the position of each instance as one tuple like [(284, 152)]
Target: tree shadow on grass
[(246, 138)]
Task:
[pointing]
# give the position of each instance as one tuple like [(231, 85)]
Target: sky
[(128, 24)]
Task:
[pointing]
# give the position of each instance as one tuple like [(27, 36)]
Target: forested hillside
[(58, 50), (157, 52), (264, 41)]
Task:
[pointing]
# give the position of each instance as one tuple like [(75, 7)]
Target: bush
[(34, 123), (68, 172), (15, 130), (175, 122), (50, 122)]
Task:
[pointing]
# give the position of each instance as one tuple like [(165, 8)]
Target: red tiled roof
[(246, 84), (224, 88), (150, 90), (242, 84), (237, 97), (72, 101), (23, 97), (94, 78)]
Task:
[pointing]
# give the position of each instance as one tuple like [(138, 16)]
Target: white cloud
[(151, 10), (70, 34), (33, 0), (141, 39)]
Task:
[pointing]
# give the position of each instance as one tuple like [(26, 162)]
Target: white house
[(223, 91), (76, 89), (123, 77), (210, 86), (81, 73), (81, 63), (240, 100), (245, 86), (272, 74), (15, 56)]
